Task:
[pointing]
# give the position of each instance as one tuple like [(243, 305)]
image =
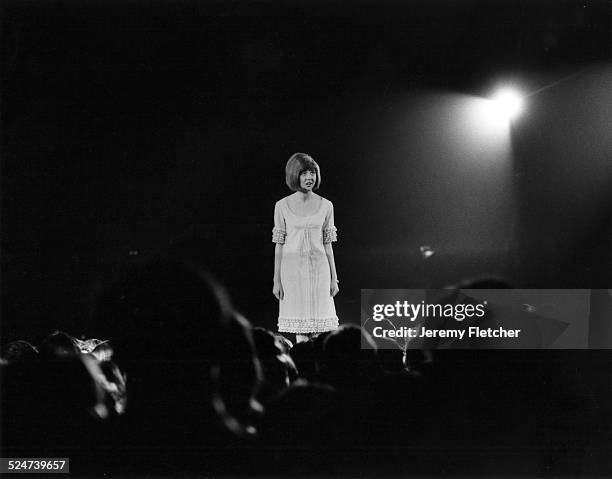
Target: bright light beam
[(508, 103)]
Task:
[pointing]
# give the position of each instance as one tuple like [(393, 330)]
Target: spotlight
[(508, 102)]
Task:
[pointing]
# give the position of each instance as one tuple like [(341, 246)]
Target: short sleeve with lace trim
[(330, 232)]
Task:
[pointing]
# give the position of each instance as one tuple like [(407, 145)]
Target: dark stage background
[(139, 127)]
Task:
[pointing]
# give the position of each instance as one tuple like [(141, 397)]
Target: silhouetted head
[(390, 355), (19, 350), (265, 343), (58, 345), (301, 414), (443, 351), (303, 355), (349, 357), (187, 356), (238, 375), (345, 344), (278, 367), (318, 343)]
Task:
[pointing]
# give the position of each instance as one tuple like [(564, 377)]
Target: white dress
[(307, 305)]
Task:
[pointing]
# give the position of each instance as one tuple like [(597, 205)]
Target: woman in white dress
[(305, 279)]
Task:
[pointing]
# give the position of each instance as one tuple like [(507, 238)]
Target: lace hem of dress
[(307, 325), (278, 236), (330, 235)]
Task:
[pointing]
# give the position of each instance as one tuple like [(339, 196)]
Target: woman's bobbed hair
[(296, 165)]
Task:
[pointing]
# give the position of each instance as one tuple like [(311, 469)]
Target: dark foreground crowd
[(182, 384)]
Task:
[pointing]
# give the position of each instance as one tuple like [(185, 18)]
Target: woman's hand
[(334, 288), (277, 290)]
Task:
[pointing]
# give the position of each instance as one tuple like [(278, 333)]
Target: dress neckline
[(307, 216)]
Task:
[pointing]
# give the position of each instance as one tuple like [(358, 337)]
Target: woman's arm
[(279, 232), (329, 251), (277, 289)]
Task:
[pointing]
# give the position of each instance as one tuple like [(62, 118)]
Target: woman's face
[(307, 180)]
